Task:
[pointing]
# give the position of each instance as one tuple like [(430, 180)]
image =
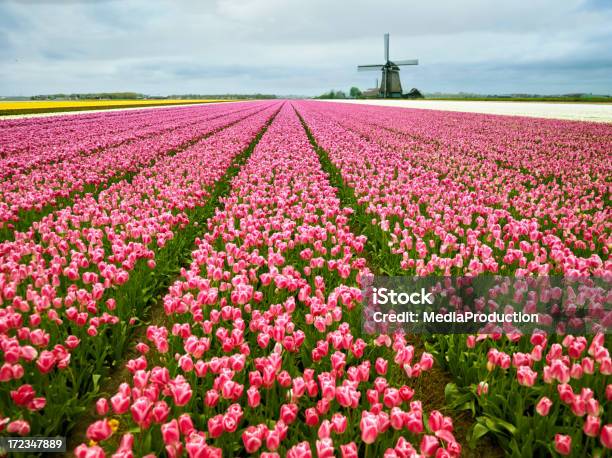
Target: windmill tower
[(390, 84)]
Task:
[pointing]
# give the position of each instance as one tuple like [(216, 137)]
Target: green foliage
[(137, 95), (333, 94), (256, 96), (92, 96)]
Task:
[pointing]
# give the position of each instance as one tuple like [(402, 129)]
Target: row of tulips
[(72, 287), (29, 142), (50, 184), (260, 349), (430, 208), (19, 134)]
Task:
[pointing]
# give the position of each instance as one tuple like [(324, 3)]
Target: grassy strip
[(430, 386), (60, 109), (145, 289), (28, 217)]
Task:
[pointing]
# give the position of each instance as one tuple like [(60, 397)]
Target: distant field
[(526, 99), (596, 112), (51, 106)]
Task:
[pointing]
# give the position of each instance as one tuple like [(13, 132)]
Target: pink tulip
[(325, 429), (211, 398), (339, 423), (429, 445), (543, 406), (391, 397), (160, 411), (99, 431), (288, 413), (252, 439), (20, 427), (170, 432), (426, 361), (120, 403), (349, 450), (229, 423), (381, 366), (591, 426), (23, 395), (325, 448), (406, 393), (215, 426), (126, 443), (301, 450), (181, 393), (82, 451), (526, 376), (141, 411), (563, 444), (397, 418), (186, 424), (253, 397), (102, 406), (369, 428), (566, 393), (312, 418), (414, 422)]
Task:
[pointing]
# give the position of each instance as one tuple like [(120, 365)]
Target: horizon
[(345, 90)]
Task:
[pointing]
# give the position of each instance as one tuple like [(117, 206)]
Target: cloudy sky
[(303, 46)]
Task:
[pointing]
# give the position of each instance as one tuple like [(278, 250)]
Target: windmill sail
[(366, 68), (406, 62), (386, 47)]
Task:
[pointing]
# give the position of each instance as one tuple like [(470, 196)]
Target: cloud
[(301, 47)]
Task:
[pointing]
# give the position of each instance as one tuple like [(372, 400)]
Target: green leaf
[(450, 391), (478, 431), (96, 381), (498, 425), (510, 427), (456, 399)]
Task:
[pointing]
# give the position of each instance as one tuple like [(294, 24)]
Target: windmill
[(390, 84)]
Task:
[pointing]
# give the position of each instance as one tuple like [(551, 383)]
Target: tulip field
[(187, 281)]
